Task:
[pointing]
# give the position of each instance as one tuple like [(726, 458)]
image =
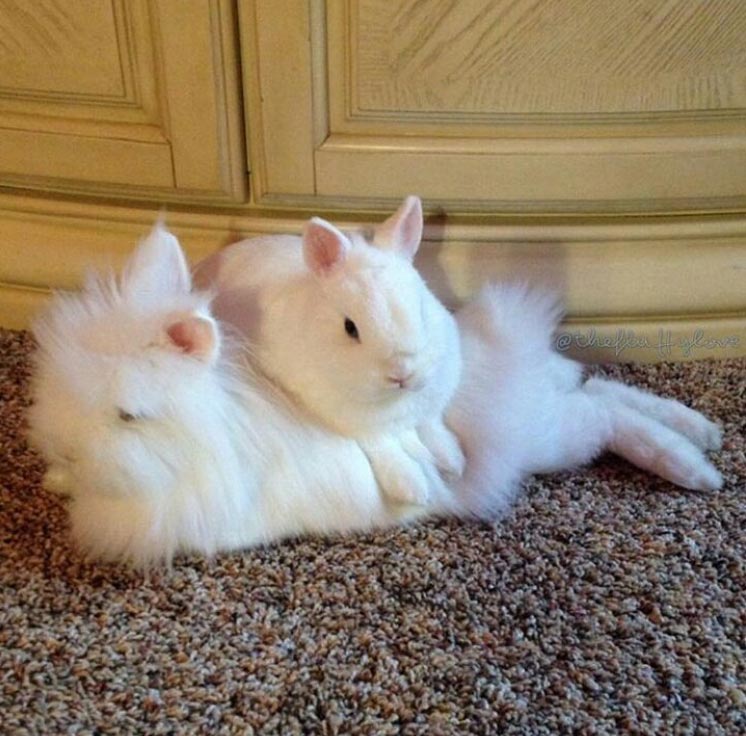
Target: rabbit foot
[(444, 447), (405, 485), (400, 477), (57, 480)]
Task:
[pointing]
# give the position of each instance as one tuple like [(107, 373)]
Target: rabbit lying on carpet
[(167, 441), (292, 298)]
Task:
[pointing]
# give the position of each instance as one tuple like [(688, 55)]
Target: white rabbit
[(521, 407), (350, 330), (163, 445), (167, 442)]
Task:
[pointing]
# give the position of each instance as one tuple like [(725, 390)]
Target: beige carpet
[(609, 602)]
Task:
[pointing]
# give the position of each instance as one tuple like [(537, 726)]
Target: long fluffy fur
[(216, 459), (522, 408), (291, 297)]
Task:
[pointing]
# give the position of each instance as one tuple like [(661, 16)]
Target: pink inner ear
[(194, 336), (323, 247), (402, 231), (410, 227)]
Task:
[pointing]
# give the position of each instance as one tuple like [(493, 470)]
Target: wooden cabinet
[(594, 146), (488, 106), (569, 106), (135, 98)]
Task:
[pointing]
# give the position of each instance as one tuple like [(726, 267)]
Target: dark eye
[(351, 329), (125, 416)]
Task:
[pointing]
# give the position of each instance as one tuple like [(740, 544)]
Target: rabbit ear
[(324, 247), (195, 336), (402, 232), (157, 267)]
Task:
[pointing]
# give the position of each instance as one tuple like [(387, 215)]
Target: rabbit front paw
[(405, 483), (57, 480), (400, 477), (444, 447)]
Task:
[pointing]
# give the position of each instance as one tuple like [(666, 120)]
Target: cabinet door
[(596, 106), (133, 97)]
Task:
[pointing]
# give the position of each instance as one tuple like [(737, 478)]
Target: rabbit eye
[(125, 416), (351, 329)]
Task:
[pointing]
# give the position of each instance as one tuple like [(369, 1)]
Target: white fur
[(521, 408), (211, 462), (297, 294), (216, 459)]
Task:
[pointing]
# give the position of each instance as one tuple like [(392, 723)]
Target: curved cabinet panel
[(133, 97), (507, 106)]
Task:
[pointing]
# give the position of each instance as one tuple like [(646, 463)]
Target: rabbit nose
[(400, 379)]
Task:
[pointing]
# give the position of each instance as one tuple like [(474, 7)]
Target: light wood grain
[(675, 276), (52, 47), (139, 98), (201, 93), (611, 175), (20, 305), (85, 160), (44, 88), (276, 44), (637, 268), (509, 106), (565, 57)]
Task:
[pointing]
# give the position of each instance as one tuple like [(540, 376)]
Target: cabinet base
[(648, 289)]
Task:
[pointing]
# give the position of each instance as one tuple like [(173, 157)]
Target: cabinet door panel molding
[(597, 148), (139, 98), (482, 105)]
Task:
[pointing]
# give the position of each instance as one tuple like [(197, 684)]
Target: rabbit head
[(120, 370), (358, 337)]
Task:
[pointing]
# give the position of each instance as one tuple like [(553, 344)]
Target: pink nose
[(400, 380)]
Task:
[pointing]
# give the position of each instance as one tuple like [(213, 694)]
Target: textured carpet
[(609, 602)]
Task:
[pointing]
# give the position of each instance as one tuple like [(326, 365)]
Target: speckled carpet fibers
[(609, 602)]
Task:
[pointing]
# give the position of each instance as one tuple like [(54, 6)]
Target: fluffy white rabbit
[(348, 327), (521, 407), (167, 442), (537, 414), (163, 444)]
